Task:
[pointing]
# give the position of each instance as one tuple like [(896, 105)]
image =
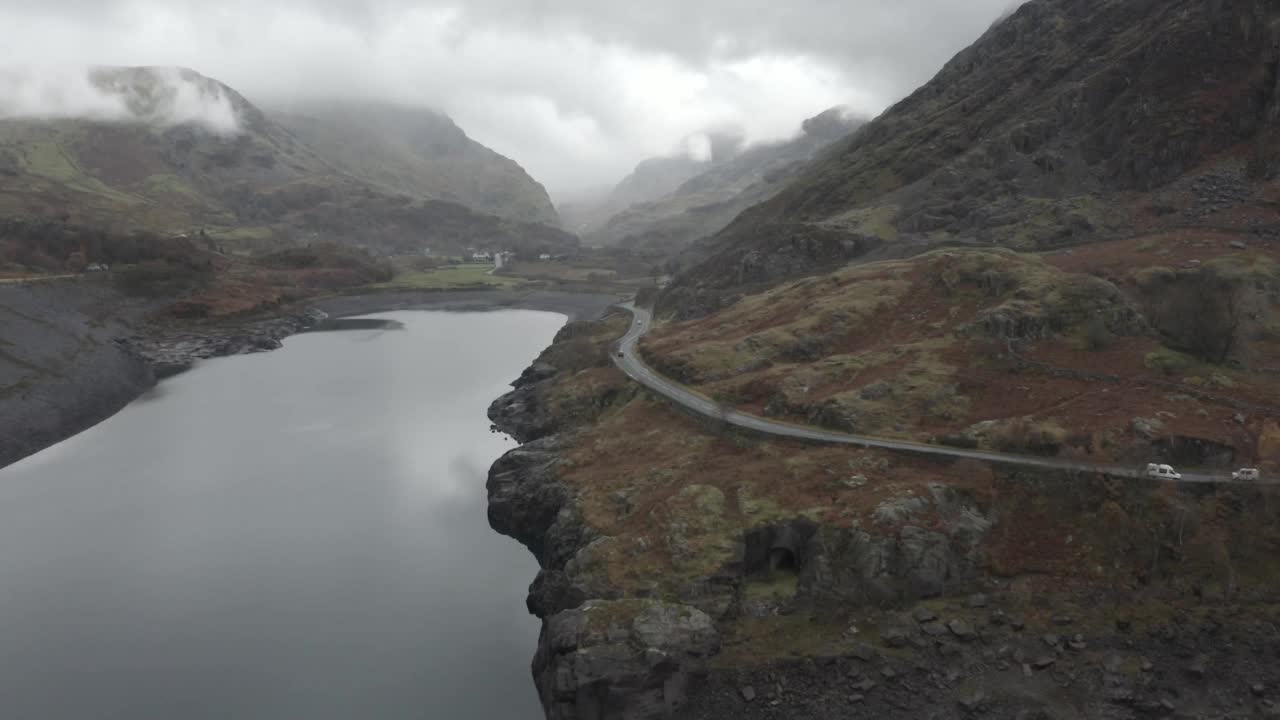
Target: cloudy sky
[(577, 91)]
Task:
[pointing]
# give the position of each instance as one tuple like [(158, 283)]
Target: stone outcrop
[(170, 353), (632, 660)]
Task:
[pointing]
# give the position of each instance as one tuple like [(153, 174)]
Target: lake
[(295, 534)]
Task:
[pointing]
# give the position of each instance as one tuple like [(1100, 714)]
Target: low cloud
[(577, 91), (163, 97)]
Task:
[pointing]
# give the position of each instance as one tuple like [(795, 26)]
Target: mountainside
[(1070, 121), (228, 170), (651, 180), (421, 153), (708, 201), (1067, 245)]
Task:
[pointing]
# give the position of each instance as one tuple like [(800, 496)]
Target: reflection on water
[(296, 534)]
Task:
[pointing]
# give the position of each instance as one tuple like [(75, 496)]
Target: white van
[(1246, 475), (1162, 472)]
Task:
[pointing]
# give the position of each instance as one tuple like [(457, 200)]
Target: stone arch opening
[(782, 559)]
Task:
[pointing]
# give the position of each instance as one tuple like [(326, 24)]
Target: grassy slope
[(915, 349), (419, 153)]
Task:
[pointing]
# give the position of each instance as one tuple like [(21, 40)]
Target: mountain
[(1070, 121), (651, 180), (176, 152), (418, 152), (708, 201)]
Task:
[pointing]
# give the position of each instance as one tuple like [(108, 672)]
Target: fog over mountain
[(169, 96), (576, 91)]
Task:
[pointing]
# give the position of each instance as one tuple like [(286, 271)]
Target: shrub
[(1169, 362), (1097, 335), (1024, 436)]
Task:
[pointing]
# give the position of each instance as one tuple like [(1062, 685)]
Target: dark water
[(297, 534)]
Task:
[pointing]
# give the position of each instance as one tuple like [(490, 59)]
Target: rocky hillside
[(710, 200), (1071, 121), (418, 152), (691, 571), (224, 168)]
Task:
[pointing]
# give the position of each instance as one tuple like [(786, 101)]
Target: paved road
[(34, 279), (628, 360)]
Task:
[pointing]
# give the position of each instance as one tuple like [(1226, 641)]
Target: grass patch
[(171, 185), (761, 640), (50, 160), (1169, 362), (775, 587)]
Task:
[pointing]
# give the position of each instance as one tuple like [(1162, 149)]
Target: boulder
[(962, 630), (924, 615), (1044, 662)]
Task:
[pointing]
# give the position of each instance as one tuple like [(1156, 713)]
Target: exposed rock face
[(174, 352), (527, 502), (598, 657), (62, 368), (595, 659), (902, 561), (629, 660)]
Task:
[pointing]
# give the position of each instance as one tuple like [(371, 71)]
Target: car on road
[(620, 354), (1246, 475), (1162, 472)]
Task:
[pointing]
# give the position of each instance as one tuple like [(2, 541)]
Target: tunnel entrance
[(782, 560)]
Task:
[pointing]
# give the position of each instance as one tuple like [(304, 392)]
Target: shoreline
[(105, 362)]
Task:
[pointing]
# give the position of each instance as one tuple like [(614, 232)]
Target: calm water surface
[(297, 534)]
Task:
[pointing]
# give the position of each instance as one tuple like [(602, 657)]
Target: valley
[(854, 421)]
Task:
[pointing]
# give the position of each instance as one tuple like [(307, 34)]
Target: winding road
[(627, 358)]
